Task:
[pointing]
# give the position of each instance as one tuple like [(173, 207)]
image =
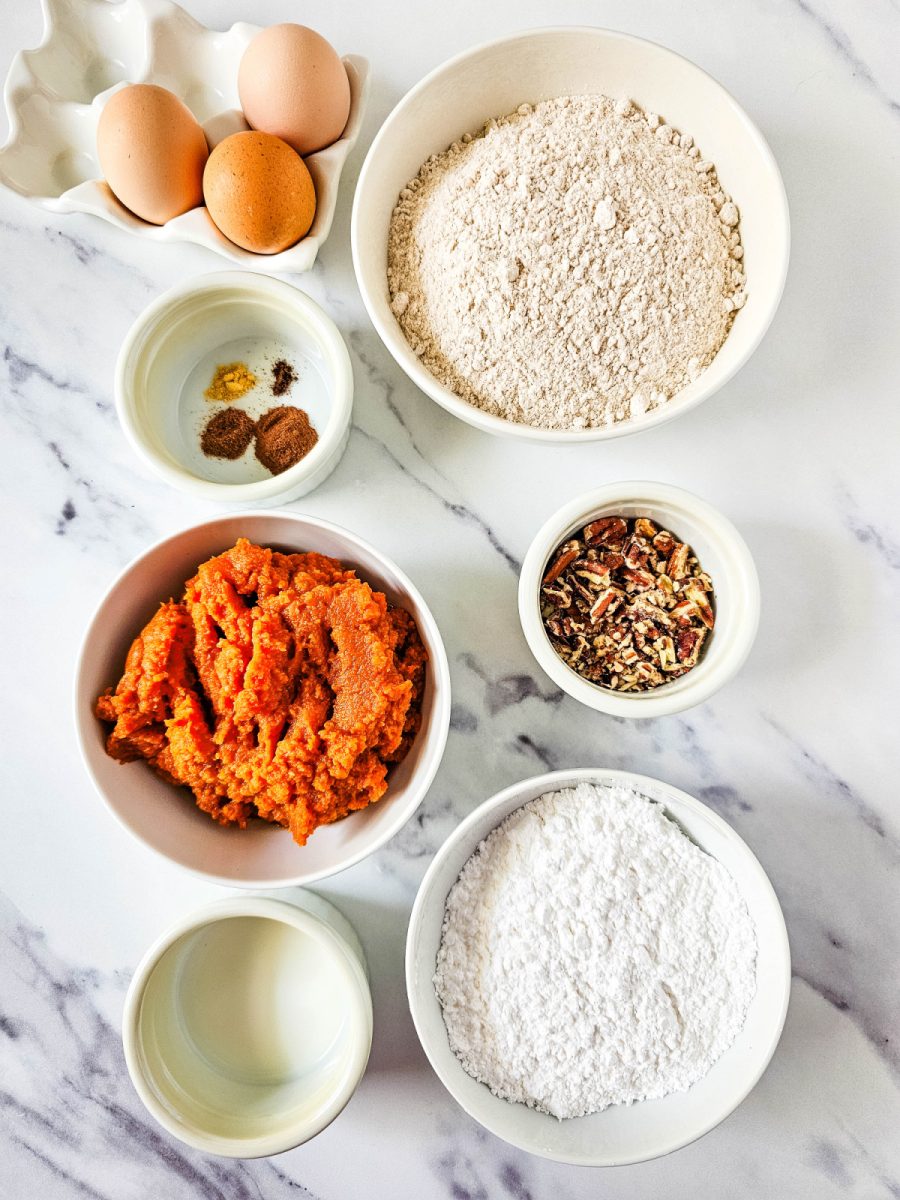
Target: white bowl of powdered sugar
[(597, 967), (570, 234)]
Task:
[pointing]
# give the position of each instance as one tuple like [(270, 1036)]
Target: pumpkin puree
[(280, 686)]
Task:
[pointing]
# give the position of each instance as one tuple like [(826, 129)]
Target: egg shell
[(259, 192), (293, 84), (152, 152)]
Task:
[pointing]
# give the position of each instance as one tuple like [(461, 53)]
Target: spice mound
[(284, 435), (279, 686), (230, 382), (571, 265), (591, 954), (227, 434), (627, 605), (283, 377)]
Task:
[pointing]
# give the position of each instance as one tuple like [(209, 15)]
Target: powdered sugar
[(592, 955), (573, 265)]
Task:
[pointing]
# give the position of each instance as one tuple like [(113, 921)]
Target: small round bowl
[(171, 353), (722, 553), (493, 79), (165, 818), (621, 1134), (248, 1024)]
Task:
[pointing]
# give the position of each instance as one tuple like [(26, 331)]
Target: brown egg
[(152, 152), (259, 192), (292, 83)]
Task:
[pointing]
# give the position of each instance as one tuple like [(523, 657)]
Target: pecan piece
[(664, 543), (594, 572), (639, 577), (568, 553), (696, 592), (645, 529), (678, 560), (606, 531), (636, 552), (606, 602)]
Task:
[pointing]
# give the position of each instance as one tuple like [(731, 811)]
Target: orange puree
[(280, 686)]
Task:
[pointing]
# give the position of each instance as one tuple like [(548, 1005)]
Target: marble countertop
[(800, 753)]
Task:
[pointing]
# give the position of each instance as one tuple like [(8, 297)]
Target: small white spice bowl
[(248, 1024), (168, 360), (721, 552), (621, 1134), (493, 79)]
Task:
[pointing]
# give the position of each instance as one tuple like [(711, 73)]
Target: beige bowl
[(493, 79)]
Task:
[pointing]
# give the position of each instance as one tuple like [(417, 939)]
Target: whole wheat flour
[(592, 954), (572, 265)]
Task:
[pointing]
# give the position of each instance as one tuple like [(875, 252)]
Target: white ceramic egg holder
[(54, 95)]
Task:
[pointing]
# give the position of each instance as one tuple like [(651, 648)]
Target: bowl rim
[(438, 662), (316, 321), (360, 1007), (393, 340), (715, 669), (550, 781)]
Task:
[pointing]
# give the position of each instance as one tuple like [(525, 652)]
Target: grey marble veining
[(800, 754)]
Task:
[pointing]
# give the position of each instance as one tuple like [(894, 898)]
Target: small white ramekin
[(248, 1024), (187, 322), (722, 553)]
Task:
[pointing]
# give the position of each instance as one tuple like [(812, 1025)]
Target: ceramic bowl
[(55, 93), (248, 1024), (165, 818), (168, 359), (620, 1134), (494, 79), (722, 553)]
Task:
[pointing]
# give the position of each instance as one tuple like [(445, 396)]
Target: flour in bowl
[(573, 265), (592, 954)]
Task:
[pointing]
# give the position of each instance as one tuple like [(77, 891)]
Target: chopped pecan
[(645, 529), (611, 559), (636, 552), (567, 554), (606, 531), (594, 572), (640, 578), (676, 568), (607, 601)]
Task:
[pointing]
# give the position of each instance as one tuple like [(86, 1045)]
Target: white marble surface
[(800, 753)]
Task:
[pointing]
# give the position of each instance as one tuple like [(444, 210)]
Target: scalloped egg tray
[(54, 95)]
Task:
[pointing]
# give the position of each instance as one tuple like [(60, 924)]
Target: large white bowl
[(165, 818), (492, 80), (721, 552), (620, 1134)]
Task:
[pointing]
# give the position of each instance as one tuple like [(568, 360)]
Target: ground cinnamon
[(284, 435), (227, 434)]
